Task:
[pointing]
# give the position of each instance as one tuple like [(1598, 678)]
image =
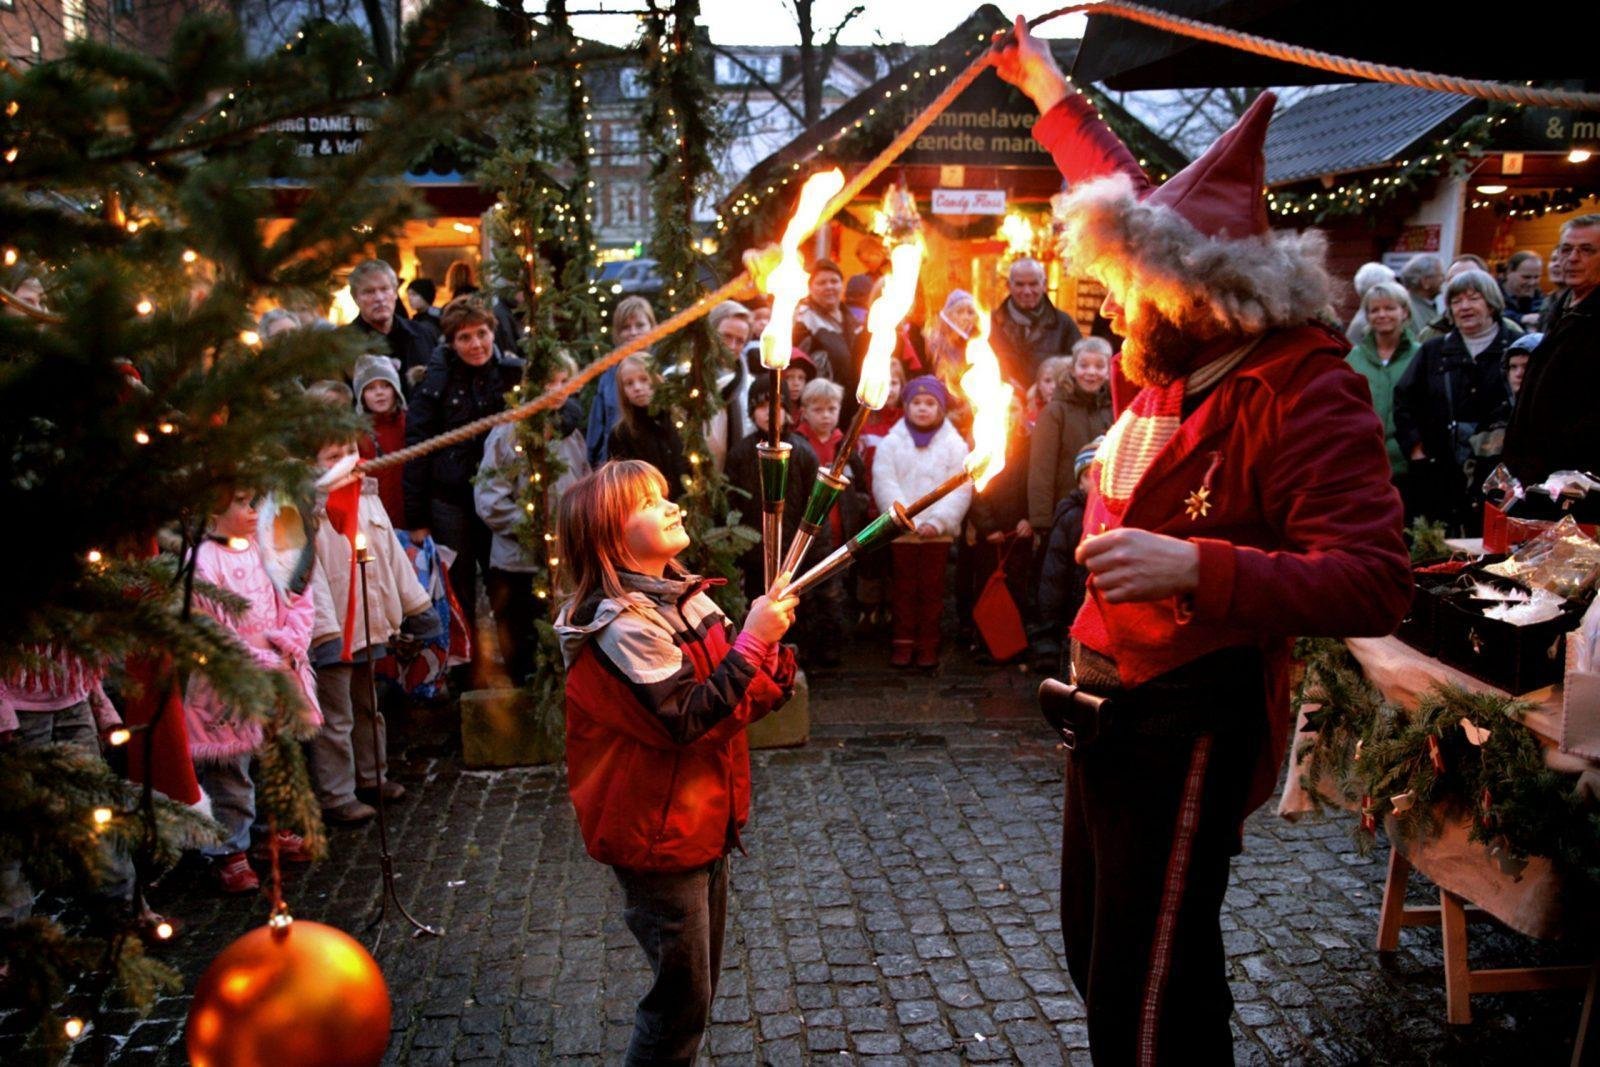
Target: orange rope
[(1310, 57)]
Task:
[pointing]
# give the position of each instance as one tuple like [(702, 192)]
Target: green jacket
[(1381, 380)]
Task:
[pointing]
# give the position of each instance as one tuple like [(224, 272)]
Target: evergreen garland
[(543, 249), (685, 136), (1419, 766)]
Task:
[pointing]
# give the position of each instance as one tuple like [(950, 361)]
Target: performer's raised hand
[(1128, 564), (1026, 62)]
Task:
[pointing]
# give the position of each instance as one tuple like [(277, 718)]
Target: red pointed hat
[(1220, 194)]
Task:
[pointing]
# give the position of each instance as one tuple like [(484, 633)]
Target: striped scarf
[(1143, 430)]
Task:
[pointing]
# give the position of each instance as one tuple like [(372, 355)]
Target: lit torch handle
[(774, 462), (901, 519), (825, 493)]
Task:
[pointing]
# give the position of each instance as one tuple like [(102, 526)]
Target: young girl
[(638, 434), (1045, 382), (921, 451), (659, 690), (378, 396), (276, 627), (633, 317)]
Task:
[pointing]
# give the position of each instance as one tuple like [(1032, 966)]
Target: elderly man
[(1423, 277), (1524, 300), (1241, 499), (374, 287), (1027, 328), (1555, 425)]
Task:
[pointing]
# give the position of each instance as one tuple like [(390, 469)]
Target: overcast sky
[(771, 21)]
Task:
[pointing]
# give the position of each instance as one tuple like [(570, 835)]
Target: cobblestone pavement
[(898, 904)]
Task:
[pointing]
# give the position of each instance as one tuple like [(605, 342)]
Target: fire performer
[(1241, 498)]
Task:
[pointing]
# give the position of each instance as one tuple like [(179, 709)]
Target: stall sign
[(969, 202), (325, 135)]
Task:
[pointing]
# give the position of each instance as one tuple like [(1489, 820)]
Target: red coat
[(388, 435), (657, 701), (1300, 534)]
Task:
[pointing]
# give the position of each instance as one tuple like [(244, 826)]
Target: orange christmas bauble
[(303, 994)]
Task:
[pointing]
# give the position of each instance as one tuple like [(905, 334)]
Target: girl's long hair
[(593, 522), (629, 417)]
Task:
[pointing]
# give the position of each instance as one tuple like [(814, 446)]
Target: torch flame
[(883, 321), (787, 282), (1018, 235), (990, 397)]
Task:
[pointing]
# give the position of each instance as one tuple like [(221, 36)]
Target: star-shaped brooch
[(1199, 503)]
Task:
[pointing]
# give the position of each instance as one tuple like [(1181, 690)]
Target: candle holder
[(364, 558)]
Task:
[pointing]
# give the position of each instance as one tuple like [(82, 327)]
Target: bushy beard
[(1156, 350)]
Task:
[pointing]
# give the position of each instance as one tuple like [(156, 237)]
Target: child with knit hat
[(921, 451), (376, 384), (1062, 578)]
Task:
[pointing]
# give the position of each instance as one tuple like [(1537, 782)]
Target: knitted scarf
[(1143, 430)]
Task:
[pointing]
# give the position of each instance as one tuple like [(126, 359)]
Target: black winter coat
[(1004, 501), (1062, 579), (1556, 424), (452, 394), (1021, 349), (405, 341), (743, 469), (1446, 383), (655, 440)]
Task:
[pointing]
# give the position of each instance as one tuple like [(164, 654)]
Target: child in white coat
[(921, 451)]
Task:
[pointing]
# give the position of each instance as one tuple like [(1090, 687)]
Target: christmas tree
[(134, 391)]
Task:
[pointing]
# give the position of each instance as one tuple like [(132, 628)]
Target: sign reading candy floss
[(969, 201)]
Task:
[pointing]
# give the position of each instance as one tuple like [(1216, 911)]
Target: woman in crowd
[(1455, 386), (1384, 355), (633, 316)]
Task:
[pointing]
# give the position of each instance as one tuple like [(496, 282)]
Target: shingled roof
[(1357, 127)]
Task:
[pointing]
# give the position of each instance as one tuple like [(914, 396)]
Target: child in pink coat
[(276, 627)]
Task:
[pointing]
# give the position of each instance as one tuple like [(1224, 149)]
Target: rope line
[(1187, 27), (1310, 57)]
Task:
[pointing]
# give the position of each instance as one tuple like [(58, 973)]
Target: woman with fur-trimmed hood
[(1240, 499)]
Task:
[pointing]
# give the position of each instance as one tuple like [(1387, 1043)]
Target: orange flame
[(990, 396), (1018, 235), (788, 281), (883, 321)]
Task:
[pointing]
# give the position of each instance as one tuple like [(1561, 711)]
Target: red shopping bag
[(996, 615)]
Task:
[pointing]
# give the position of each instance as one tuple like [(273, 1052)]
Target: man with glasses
[(1556, 424)]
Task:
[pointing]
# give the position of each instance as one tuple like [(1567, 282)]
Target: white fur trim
[(1249, 284)]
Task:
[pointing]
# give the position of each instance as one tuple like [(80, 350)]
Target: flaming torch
[(883, 322), (787, 282), (990, 397)]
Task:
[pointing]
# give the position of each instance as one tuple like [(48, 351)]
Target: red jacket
[(1299, 535), (388, 435), (658, 695)]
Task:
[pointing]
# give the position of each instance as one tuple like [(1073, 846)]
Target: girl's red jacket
[(657, 700)]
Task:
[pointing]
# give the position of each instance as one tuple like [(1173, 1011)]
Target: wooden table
[(1471, 884)]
